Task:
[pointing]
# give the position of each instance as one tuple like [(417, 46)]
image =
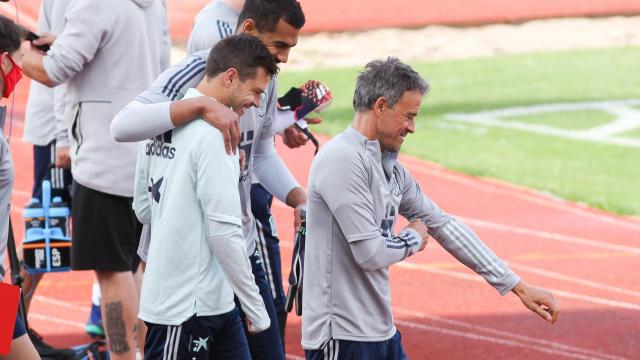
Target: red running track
[(339, 15), (591, 259)]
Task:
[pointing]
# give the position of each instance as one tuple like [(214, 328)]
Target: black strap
[(16, 278), (310, 136)]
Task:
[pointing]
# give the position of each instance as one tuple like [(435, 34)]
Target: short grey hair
[(390, 79)]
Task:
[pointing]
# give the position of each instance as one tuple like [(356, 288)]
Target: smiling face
[(279, 41), (246, 93), (394, 123)]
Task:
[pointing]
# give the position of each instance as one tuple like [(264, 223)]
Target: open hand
[(225, 120)]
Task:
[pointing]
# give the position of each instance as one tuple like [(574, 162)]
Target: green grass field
[(601, 175)]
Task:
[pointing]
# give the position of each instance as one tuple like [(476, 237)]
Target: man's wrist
[(519, 289), (296, 197)]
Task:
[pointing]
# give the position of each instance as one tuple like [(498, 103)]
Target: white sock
[(96, 294)]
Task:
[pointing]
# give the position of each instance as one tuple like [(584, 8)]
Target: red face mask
[(12, 77)]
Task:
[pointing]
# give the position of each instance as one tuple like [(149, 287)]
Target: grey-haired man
[(351, 212)]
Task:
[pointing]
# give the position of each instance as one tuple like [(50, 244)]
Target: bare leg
[(30, 282), (119, 312), (142, 328), (22, 349), (29, 286)]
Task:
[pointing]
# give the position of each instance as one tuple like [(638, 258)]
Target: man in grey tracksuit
[(352, 208), (107, 52)]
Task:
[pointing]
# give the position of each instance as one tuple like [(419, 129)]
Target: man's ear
[(230, 76), (379, 105), (249, 27), (5, 63)]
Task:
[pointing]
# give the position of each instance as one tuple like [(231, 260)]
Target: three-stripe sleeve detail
[(176, 82), (402, 241), (264, 253), (472, 249)]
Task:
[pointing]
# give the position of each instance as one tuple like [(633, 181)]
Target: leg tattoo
[(116, 331)]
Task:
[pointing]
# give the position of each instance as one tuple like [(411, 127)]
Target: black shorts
[(218, 337), (19, 329), (105, 232), (61, 179)]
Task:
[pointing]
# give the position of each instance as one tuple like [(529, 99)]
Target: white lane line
[(537, 233), (549, 236), (505, 334), (572, 279), (495, 185), (596, 300), (60, 303), (417, 166), (294, 357), (53, 319), (491, 339), (534, 270), (566, 294)]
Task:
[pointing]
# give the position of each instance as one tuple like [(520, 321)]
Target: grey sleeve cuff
[(508, 282), (231, 253), (408, 233), (56, 72), (381, 252), (62, 140), (145, 241)]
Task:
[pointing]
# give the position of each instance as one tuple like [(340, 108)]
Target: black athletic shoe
[(47, 351)]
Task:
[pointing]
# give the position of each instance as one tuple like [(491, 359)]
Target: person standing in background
[(11, 38), (108, 52), (45, 128)]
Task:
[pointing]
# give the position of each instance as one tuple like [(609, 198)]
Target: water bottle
[(58, 233), (33, 216), (46, 246), (34, 245), (59, 216)]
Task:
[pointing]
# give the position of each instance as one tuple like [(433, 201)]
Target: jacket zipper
[(75, 128)]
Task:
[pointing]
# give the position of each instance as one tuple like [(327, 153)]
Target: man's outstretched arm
[(465, 245)]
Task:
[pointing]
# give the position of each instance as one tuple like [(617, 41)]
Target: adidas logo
[(160, 148)]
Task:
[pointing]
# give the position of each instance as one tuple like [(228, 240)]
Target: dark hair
[(390, 79), (11, 35), (244, 53), (267, 13)]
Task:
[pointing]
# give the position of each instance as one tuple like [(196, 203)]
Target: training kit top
[(108, 52), (204, 34), (355, 192), (150, 111), (187, 188)]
